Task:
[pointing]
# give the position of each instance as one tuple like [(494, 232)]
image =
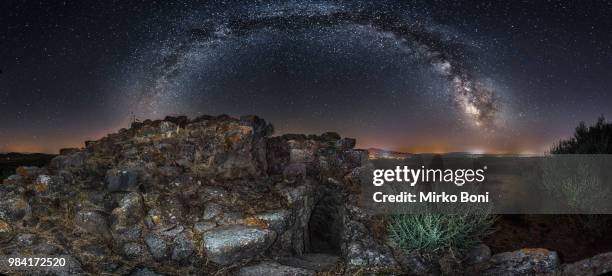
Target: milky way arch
[(448, 58)]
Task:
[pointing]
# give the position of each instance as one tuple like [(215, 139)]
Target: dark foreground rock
[(597, 265)]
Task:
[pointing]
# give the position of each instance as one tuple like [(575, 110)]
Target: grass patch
[(428, 233)]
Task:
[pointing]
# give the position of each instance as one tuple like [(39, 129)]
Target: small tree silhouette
[(595, 139)]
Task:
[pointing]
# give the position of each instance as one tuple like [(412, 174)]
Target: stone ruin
[(202, 196)]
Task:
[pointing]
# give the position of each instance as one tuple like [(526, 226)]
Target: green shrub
[(428, 233)]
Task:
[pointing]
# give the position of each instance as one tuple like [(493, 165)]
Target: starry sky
[(416, 76)]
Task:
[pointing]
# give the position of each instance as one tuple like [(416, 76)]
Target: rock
[(93, 222), (184, 247), (123, 234), (42, 185), (478, 254), (133, 250), (346, 143), (47, 247), (277, 220), (214, 193), (167, 213), (363, 252), (597, 265), (26, 239), (229, 244), (121, 180), (6, 231), (14, 208), (70, 161), (313, 261), (231, 218), (273, 268), (157, 246), (130, 210), (203, 226), (449, 264), (295, 170), (415, 263), (523, 261), (211, 211)]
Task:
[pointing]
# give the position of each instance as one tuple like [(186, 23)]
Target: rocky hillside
[(208, 195), (218, 196)]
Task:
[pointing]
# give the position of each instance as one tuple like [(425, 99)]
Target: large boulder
[(526, 261), (225, 245)]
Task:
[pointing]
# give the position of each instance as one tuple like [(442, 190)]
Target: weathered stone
[(212, 210), (273, 268), (133, 250), (123, 234), (26, 239), (93, 222), (295, 170), (42, 185), (70, 161), (414, 263), (277, 220), (14, 208), (231, 218), (130, 210), (523, 261), (478, 254), (6, 231), (203, 226), (184, 247), (121, 180), (157, 246), (600, 264), (449, 264), (225, 245)]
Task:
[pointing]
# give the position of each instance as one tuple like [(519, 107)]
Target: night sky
[(417, 76)]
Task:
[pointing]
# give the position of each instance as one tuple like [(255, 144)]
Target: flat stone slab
[(228, 244), (274, 268), (314, 261)]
